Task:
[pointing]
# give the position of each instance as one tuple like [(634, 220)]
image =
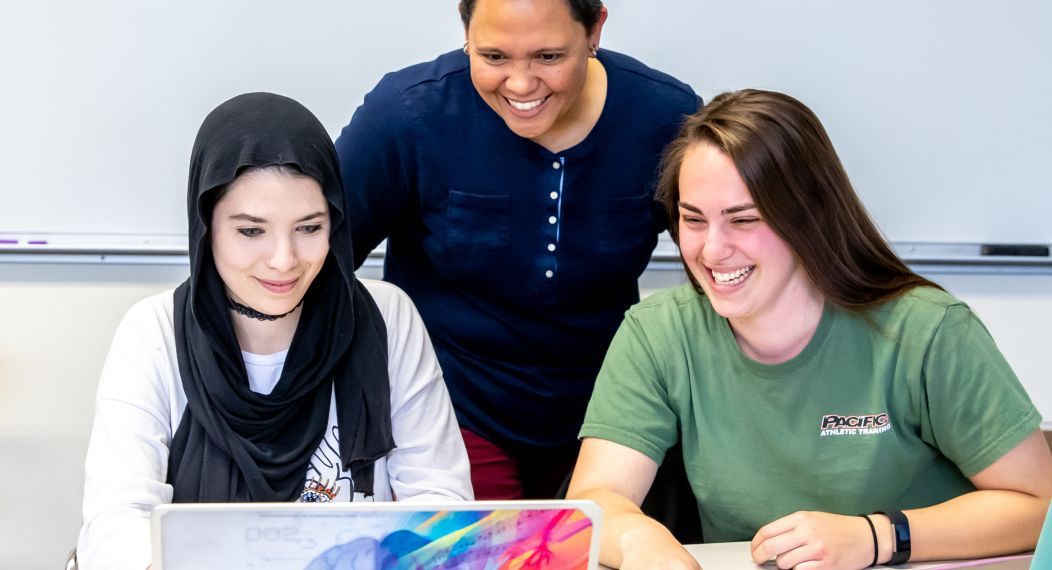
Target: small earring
[(595, 50), (466, 48)]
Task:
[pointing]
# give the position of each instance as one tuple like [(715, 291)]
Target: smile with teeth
[(732, 278), (526, 105)]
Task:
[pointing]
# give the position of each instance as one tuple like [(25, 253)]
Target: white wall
[(57, 321), (936, 105)]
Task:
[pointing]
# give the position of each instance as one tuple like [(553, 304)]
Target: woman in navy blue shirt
[(514, 183)]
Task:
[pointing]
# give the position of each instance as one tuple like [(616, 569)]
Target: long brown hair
[(797, 182)]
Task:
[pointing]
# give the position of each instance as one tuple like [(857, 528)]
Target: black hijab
[(232, 443)]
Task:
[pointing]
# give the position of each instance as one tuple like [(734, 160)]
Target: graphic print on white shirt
[(325, 465)]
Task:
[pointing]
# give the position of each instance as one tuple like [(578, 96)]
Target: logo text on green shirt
[(867, 424)]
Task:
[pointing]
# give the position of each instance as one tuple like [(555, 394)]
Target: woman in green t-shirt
[(809, 373)]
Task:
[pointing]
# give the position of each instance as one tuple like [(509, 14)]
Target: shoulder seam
[(679, 88), (660, 299), (657, 76), (403, 89)]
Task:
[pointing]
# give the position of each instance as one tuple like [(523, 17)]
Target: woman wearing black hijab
[(272, 373)]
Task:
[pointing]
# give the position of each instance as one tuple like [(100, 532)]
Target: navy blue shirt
[(521, 261)]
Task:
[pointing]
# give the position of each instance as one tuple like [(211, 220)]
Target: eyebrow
[(255, 220), (725, 211), (550, 49), (738, 208)]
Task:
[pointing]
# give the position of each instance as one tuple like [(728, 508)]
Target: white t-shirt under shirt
[(140, 402)]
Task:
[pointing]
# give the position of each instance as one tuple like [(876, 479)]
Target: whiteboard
[(939, 108)]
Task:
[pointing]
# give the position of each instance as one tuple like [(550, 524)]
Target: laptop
[(471, 535), (1043, 553)]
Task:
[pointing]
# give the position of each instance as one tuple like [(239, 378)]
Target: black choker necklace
[(254, 314)]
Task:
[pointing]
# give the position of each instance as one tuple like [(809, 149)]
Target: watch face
[(901, 526)]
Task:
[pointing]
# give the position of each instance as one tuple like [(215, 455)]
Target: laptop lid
[(1043, 551), (476, 535)]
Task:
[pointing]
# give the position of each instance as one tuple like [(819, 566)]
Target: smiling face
[(747, 271), (270, 238), (529, 62)]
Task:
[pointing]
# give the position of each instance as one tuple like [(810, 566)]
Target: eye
[(549, 57), (492, 57), (250, 232), (310, 229), (691, 219), (744, 221)]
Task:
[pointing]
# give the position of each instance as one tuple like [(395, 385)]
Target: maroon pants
[(516, 472)]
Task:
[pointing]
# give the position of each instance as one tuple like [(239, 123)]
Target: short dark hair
[(584, 11), (796, 179)]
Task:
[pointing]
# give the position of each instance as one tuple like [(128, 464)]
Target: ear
[(597, 30)]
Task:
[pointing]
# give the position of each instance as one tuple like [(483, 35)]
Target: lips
[(278, 287)]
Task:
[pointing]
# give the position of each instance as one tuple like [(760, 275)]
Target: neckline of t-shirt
[(275, 359), (794, 364)]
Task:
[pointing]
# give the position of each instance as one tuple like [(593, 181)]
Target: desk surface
[(735, 555)]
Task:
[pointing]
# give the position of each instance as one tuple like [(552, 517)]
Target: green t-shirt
[(892, 413)]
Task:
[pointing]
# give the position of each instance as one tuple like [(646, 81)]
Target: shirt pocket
[(476, 222), (624, 224)]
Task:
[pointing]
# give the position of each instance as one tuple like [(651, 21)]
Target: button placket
[(553, 219)]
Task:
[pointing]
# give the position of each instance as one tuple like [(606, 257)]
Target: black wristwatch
[(901, 527)]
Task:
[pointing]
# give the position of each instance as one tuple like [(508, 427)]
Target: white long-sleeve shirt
[(140, 402)]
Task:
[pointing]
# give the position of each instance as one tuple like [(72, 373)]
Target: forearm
[(120, 539), (625, 526), (977, 524)]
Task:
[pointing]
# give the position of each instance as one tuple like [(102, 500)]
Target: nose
[(717, 246), (520, 80), (283, 257)]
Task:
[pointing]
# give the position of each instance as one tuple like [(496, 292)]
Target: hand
[(654, 548), (807, 540)]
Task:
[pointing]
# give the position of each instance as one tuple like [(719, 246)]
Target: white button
[(552, 220), (554, 195), (549, 274), (556, 165), (551, 247)]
